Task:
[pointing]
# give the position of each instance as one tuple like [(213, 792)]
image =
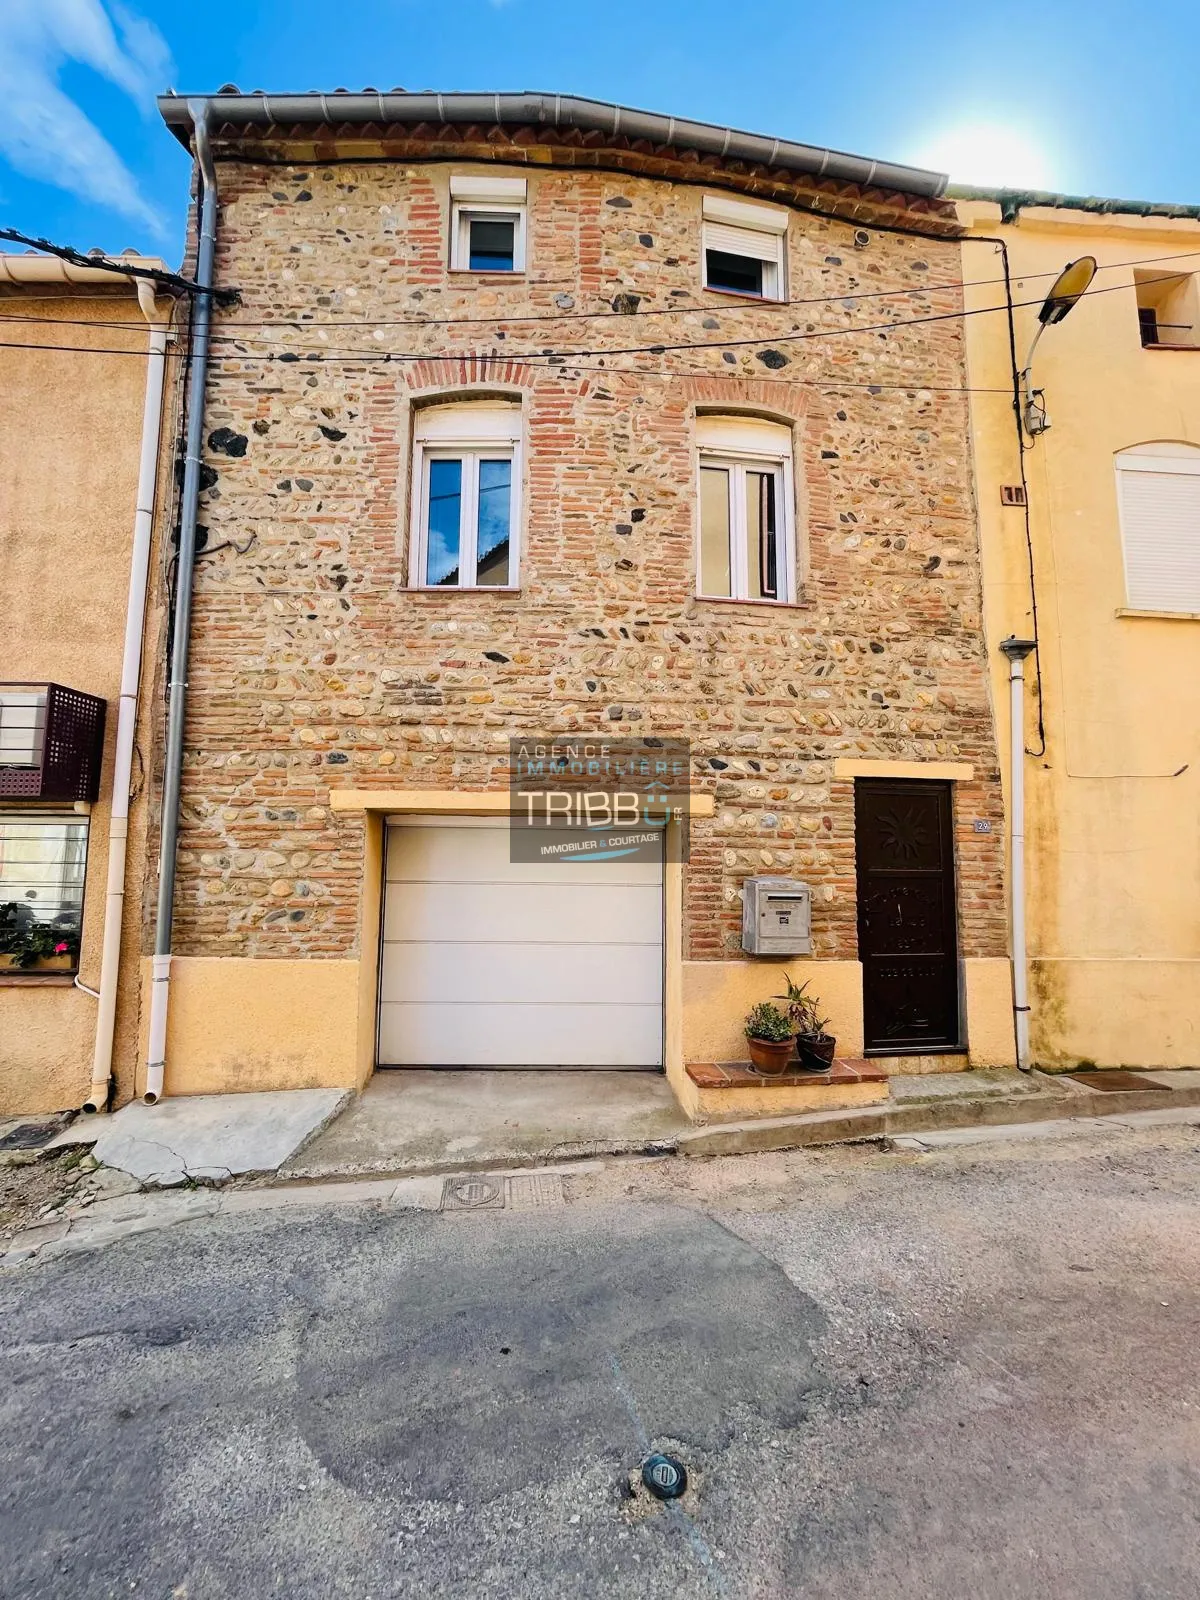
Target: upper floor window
[(1158, 493), (465, 493), (1168, 309), (746, 495), (743, 248), (487, 224)]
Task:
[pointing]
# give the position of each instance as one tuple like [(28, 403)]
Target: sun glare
[(989, 155)]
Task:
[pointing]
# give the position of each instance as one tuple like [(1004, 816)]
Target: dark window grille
[(51, 742)]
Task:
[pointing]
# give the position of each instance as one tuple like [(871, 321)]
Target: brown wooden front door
[(907, 924)]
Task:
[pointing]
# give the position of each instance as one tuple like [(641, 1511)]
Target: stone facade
[(314, 667)]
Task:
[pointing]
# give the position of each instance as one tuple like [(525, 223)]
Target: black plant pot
[(815, 1051)]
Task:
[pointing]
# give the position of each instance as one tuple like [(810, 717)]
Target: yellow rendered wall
[(718, 994), (1113, 838), (70, 432), (241, 1023)]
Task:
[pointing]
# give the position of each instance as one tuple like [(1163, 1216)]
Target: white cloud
[(43, 133)]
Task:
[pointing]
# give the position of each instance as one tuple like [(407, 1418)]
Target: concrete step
[(1052, 1104)]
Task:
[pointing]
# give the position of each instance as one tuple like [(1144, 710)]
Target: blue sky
[(1102, 100)]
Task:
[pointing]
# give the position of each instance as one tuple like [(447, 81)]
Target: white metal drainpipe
[(131, 671), (160, 988), (1016, 650)]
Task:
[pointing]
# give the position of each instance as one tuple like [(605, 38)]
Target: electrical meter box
[(776, 917)]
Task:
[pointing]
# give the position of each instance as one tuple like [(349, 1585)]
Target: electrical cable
[(286, 324), (102, 263), (565, 357)]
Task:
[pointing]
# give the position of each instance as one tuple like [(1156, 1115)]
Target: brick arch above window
[(454, 377)]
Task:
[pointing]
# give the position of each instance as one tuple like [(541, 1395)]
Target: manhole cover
[(472, 1193), (664, 1476), (29, 1136)]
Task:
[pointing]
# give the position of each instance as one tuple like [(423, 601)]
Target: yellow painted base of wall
[(1115, 1013), (47, 1033), (987, 982), (718, 994), (919, 1066), (783, 1100), (236, 1025)]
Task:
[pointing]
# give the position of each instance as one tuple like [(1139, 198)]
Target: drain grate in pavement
[(478, 1191), (1113, 1081), (531, 1191)]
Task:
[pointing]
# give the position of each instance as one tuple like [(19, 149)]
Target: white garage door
[(490, 964)]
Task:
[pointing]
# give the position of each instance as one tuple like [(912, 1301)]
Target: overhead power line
[(565, 358), (102, 263), (284, 324)]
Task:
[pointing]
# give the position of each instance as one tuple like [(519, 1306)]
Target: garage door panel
[(471, 855), (552, 1035), (523, 973), (524, 913), (487, 962)]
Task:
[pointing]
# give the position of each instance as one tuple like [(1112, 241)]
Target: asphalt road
[(959, 1375)]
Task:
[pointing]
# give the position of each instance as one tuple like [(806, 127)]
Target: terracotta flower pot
[(770, 1056), (815, 1051)]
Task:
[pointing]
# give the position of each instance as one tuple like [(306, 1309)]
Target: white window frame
[(1165, 458), (758, 233), (76, 877), (481, 199), (736, 444), (468, 431)]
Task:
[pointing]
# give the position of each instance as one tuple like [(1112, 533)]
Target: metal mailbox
[(776, 917)]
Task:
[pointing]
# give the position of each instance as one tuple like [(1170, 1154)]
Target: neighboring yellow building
[(1113, 801), (73, 407)]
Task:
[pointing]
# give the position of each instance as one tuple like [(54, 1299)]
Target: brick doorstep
[(743, 1075)]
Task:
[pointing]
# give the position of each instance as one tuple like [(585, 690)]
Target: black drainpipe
[(181, 620)]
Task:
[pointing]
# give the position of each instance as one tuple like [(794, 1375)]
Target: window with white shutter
[(1158, 495), (743, 248), (747, 545)]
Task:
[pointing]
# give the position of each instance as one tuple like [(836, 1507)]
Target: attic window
[(1168, 311), (743, 248), (487, 224)]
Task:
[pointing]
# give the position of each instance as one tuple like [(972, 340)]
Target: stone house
[(546, 418)]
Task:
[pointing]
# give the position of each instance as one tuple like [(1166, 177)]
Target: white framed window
[(746, 544), (744, 248), (487, 224), (1158, 497), (466, 479), (43, 858)]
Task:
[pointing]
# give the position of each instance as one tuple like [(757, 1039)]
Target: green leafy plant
[(767, 1021), (801, 1007), (29, 941)]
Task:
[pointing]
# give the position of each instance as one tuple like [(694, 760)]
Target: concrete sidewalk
[(442, 1121), (205, 1138)]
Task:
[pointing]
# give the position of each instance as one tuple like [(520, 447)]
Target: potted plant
[(815, 1048), (769, 1036), (28, 944)]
